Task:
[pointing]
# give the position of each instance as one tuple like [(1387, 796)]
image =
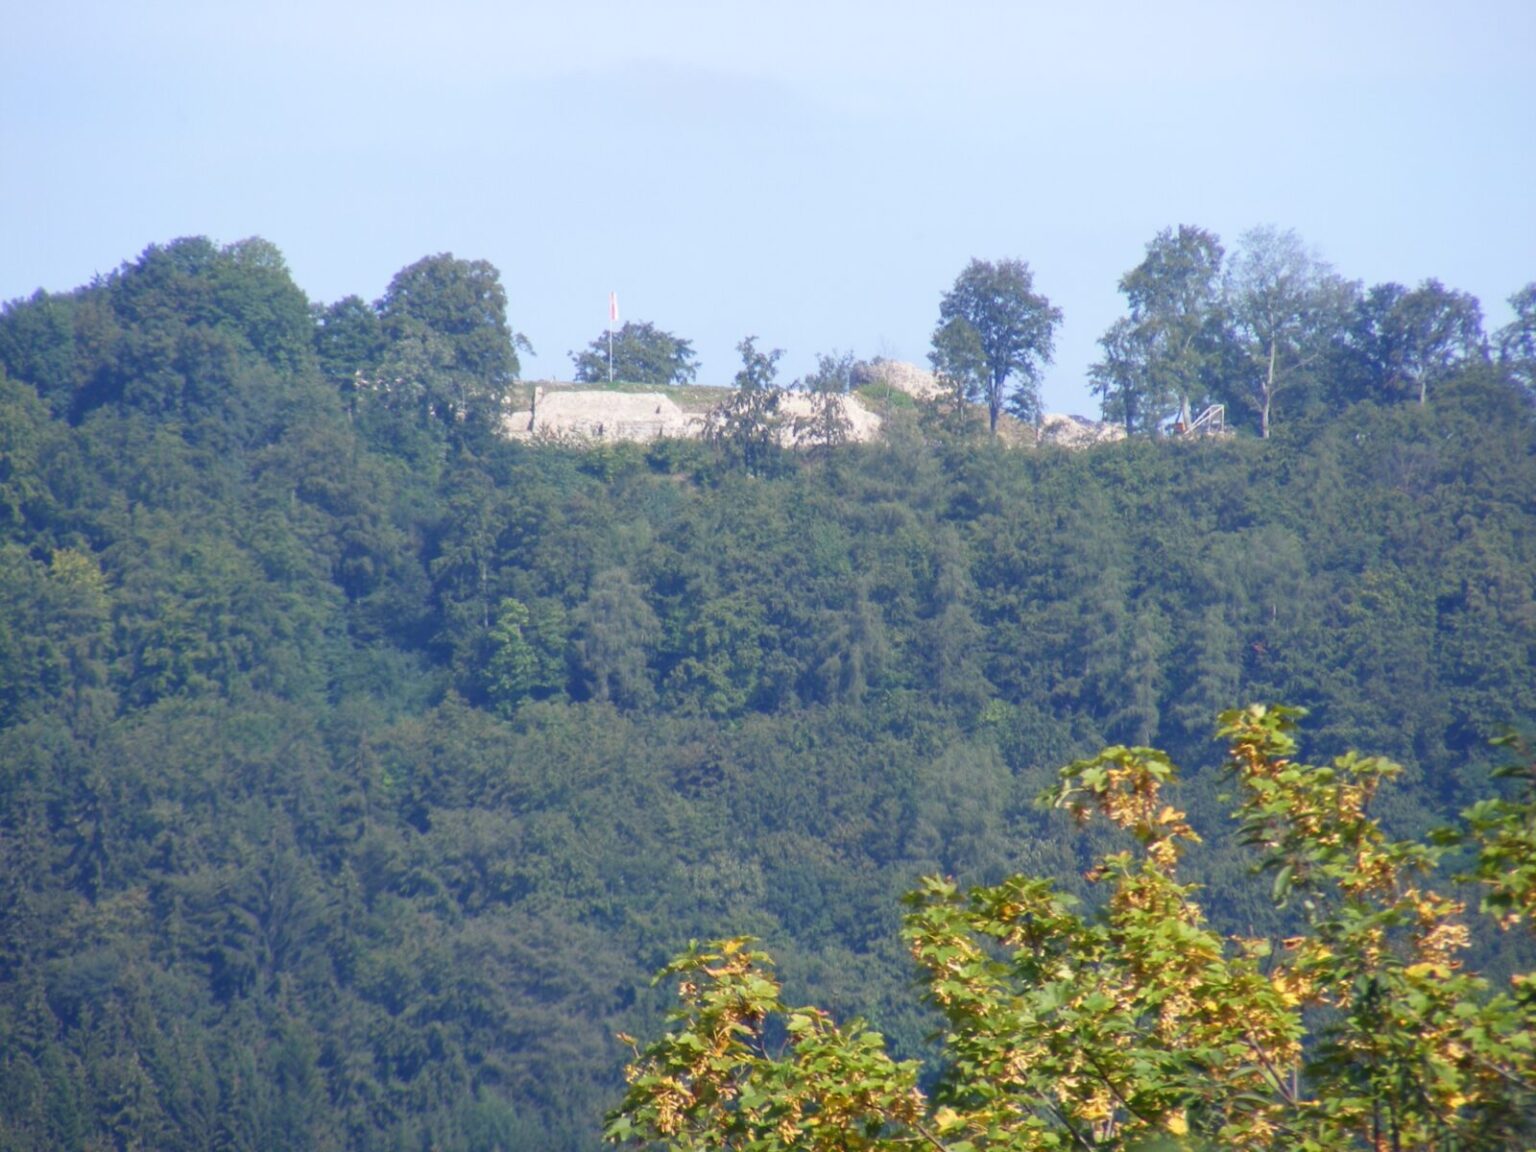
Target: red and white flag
[(613, 308)]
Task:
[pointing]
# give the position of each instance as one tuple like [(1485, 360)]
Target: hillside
[(358, 764)]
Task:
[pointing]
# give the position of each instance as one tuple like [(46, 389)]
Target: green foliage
[(642, 354), (1516, 341), (1286, 304), (616, 631), (828, 426), (1170, 348), (748, 425), (349, 343), (356, 763), (961, 371), (216, 339), (995, 328), (1402, 342), (759, 369), (1137, 1022), (526, 654), (711, 1083), (1504, 830), (25, 435), (451, 352)]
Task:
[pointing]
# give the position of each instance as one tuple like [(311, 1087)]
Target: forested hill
[(358, 766)]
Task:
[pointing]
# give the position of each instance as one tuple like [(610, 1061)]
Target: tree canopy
[(995, 334), (357, 767), (1516, 341), (1407, 340), (748, 425), (1286, 304), (450, 348), (642, 354), (1168, 351), (1136, 1021)]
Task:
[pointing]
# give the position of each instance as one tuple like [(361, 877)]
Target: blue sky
[(815, 174)]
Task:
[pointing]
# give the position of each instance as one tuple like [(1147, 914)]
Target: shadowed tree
[(1516, 341), (1405, 341), (748, 423), (450, 347), (615, 632), (349, 341)]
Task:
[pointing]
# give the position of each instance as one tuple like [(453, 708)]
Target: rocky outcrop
[(598, 415), (916, 382), (592, 415), (797, 409), (1076, 431)]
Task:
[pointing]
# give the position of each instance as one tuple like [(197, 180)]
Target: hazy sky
[(812, 173)]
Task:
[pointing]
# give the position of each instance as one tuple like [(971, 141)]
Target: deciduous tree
[(450, 344), (996, 332), (1161, 355), (1406, 340), (1286, 304), (748, 424), (960, 371), (1516, 341), (1137, 1025), (828, 425), (642, 354), (349, 341)]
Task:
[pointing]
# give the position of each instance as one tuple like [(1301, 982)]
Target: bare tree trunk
[(1269, 393)]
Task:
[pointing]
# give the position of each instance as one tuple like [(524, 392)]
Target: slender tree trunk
[(1269, 393)]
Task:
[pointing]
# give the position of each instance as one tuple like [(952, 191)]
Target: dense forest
[(358, 766)]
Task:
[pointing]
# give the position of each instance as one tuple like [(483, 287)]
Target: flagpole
[(613, 318)]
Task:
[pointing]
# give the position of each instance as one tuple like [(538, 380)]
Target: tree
[(1163, 353), (995, 328), (1516, 341), (642, 354), (1121, 380), (243, 290), (450, 348), (1137, 1025), (827, 425), (758, 370), (960, 371), (255, 292), (614, 635), (1286, 303), (526, 654), (38, 345), (1404, 341), (748, 423), (349, 342)]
